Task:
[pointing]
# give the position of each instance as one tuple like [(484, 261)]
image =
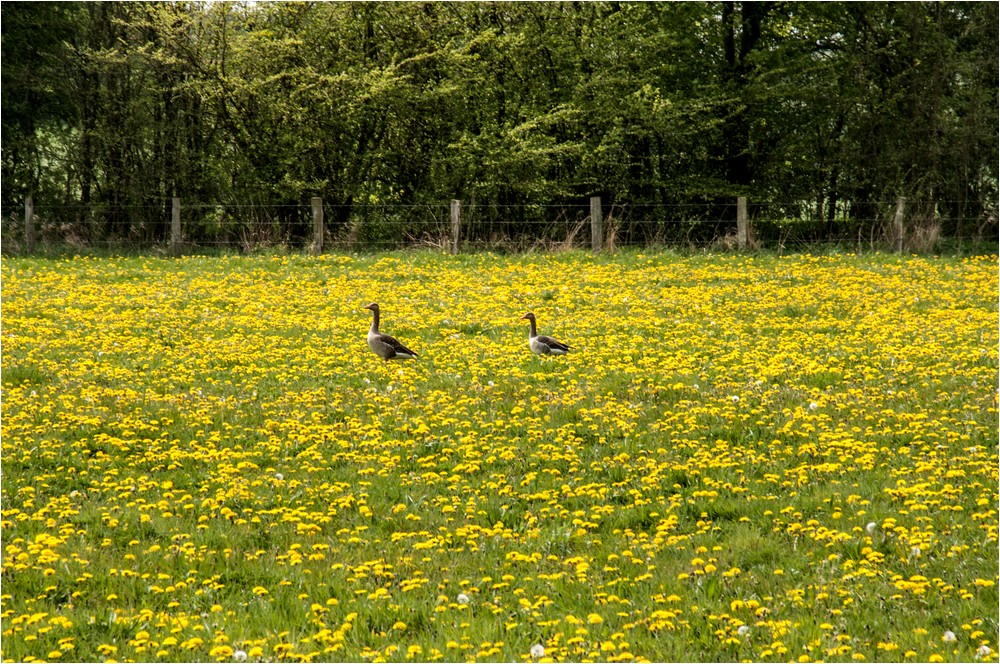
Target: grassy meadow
[(743, 458)]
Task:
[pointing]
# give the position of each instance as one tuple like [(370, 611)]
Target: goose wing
[(389, 348), (554, 346)]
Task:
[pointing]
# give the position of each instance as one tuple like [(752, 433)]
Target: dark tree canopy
[(824, 111)]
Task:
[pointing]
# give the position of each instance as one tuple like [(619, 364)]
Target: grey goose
[(541, 344), (386, 347)]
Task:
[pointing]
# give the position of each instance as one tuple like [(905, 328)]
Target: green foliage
[(823, 110), (778, 458)]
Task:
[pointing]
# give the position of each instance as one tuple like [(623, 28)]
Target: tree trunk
[(737, 73)]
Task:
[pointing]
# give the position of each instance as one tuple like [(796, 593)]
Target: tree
[(37, 106), (819, 112)]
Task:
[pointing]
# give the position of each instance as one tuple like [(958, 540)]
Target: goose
[(386, 347), (542, 345)]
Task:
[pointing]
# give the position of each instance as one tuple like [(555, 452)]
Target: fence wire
[(860, 225)]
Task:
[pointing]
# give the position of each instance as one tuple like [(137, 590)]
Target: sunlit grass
[(743, 458)]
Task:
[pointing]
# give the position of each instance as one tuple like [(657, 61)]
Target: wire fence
[(712, 224)]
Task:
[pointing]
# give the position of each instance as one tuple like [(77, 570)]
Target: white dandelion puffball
[(462, 598), (983, 652), (915, 553), (538, 650), (949, 636), (813, 405), (871, 527), (736, 399), (742, 630), (240, 656), (279, 476)]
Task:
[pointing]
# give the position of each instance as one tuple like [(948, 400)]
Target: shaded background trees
[(821, 113)]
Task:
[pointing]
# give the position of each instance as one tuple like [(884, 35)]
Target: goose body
[(541, 344), (383, 345)]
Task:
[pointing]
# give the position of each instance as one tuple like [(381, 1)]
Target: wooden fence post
[(897, 225), (596, 224), (175, 226), (456, 224), (29, 223), (742, 223), (317, 208)]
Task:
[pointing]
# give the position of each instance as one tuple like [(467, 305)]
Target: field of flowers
[(767, 458)]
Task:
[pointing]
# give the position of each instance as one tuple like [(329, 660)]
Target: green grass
[(201, 454)]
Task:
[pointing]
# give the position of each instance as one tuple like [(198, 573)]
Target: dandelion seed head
[(279, 476), (240, 656), (462, 598), (983, 652), (813, 405), (538, 650), (949, 636), (736, 399), (871, 527), (742, 630)]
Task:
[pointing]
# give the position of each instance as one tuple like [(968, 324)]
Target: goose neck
[(374, 327), (533, 332)]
